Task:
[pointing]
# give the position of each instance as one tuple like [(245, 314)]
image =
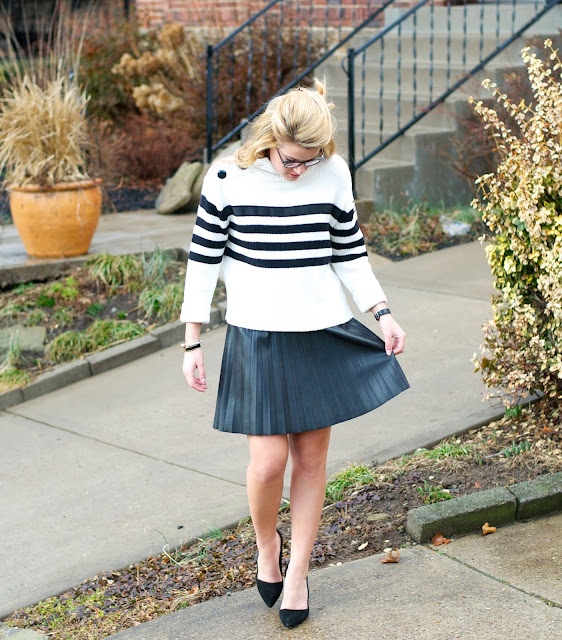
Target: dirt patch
[(369, 516)]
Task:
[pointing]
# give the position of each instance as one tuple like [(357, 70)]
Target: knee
[(309, 465), (267, 471)]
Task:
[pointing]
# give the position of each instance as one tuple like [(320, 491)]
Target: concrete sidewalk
[(102, 473), (505, 586)]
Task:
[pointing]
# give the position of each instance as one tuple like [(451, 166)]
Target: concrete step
[(455, 56), (416, 78), (489, 17), (391, 113), (403, 149), (408, 167)]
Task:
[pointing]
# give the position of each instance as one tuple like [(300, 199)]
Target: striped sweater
[(285, 248)]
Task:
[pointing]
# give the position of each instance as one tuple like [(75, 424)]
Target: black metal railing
[(273, 51), (412, 64)]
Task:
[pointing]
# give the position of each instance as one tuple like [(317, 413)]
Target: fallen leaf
[(486, 528), (439, 539), (392, 556), (477, 485), (362, 546)]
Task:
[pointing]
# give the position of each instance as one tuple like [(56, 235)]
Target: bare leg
[(268, 459), (308, 488)]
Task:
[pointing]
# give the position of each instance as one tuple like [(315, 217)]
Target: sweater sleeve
[(349, 254), (210, 234)]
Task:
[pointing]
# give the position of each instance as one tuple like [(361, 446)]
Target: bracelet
[(190, 347), (381, 312)]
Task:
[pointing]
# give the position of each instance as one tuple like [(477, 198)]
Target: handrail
[(304, 70), (354, 163)]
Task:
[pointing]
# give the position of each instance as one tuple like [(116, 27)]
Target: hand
[(394, 337), (193, 361)]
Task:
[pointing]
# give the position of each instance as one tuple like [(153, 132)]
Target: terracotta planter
[(58, 221)]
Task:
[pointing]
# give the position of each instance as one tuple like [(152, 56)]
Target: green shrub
[(106, 332), (162, 303), (100, 334), (13, 377), (68, 346), (116, 272), (156, 265), (351, 477), (522, 350)]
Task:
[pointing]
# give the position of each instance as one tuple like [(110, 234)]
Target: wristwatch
[(381, 312)]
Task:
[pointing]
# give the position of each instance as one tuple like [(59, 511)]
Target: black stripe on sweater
[(288, 212), (342, 233), (197, 257), (349, 256), (282, 246), (210, 208), (214, 228), (345, 216), (278, 264), (211, 244), (313, 227), (349, 245), (277, 212)]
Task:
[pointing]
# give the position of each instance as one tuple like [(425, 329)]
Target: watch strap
[(381, 312)]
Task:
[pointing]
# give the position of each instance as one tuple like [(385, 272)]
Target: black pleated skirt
[(275, 383)]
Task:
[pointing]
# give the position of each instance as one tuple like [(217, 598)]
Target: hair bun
[(320, 87)]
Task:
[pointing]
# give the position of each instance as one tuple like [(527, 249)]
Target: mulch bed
[(130, 198), (367, 519), (115, 199)]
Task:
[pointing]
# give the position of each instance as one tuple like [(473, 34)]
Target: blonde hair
[(302, 116)]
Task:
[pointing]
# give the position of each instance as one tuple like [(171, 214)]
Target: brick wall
[(230, 13)]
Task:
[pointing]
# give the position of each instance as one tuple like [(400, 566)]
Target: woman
[(280, 220)]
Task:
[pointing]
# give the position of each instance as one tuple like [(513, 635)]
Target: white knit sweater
[(285, 248)]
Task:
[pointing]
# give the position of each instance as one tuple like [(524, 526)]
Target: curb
[(467, 514), (66, 374)]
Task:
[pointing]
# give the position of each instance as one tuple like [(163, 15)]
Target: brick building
[(234, 12)]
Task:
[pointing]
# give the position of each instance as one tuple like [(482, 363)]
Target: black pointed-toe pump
[(270, 591), (293, 617)]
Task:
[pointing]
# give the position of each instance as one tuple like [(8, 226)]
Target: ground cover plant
[(105, 301), (419, 228), (365, 513)]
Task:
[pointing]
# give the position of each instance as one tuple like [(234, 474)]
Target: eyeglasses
[(293, 164)]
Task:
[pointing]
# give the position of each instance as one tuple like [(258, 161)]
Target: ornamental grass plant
[(522, 206), (43, 121)]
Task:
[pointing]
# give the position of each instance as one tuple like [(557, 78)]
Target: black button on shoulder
[(222, 174)]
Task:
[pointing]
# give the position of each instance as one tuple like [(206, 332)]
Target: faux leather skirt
[(275, 383)]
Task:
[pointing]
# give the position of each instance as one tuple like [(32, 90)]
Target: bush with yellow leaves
[(522, 206)]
